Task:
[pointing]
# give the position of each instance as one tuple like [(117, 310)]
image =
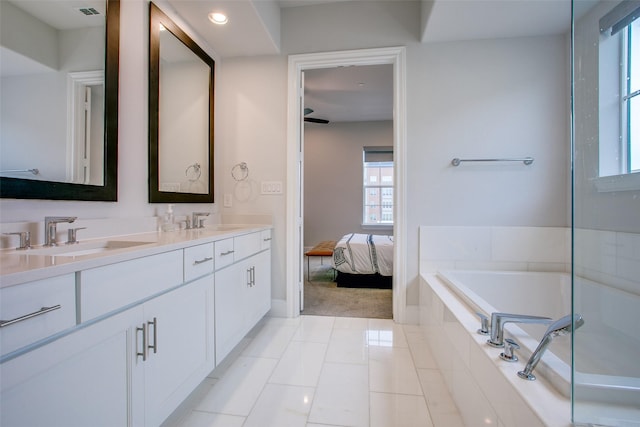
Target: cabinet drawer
[(247, 245), (198, 261), (34, 298), (224, 253), (265, 239), (108, 288)]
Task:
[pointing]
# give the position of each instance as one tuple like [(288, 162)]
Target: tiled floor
[(319, 371)]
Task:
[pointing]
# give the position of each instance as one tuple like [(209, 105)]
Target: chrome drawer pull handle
[(144, 342), (202, 261), (266, 239), (155, 335), (226, 253), (43, 310)]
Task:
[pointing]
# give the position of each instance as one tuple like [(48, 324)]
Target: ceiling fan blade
[(314, 120), (308, 111)]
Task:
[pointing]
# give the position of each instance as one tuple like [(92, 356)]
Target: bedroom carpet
[(322, 296)]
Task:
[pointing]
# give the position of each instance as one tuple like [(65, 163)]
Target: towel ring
[(193, 172), (240, 169)]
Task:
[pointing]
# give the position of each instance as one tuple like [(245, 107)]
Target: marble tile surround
[(495, 248)]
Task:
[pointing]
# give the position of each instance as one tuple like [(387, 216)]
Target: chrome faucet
[(50, 223), (561, 326), (195, 221), (499, 319)]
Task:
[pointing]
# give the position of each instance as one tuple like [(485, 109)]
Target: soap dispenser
[(168, 221)]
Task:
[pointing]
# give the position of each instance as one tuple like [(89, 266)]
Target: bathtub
[(604, 342)]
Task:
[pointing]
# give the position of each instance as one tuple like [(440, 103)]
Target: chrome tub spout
[(561, 326), (499, 319)]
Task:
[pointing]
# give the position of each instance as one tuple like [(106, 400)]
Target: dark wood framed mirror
[(181, 89), (34, 175)]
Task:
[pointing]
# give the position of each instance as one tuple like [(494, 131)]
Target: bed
[(364, 260)]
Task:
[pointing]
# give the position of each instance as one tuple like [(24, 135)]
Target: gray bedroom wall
[(333, 177)]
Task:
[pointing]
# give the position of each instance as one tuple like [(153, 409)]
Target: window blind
[(378, 154), (620, 16)]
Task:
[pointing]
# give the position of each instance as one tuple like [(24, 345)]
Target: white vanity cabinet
[(179, 347), (36, 310), (133, 338), (86, 378), (242, 292), (133, 368)]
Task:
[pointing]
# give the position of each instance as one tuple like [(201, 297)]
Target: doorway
[(348, 187), (295, 166)]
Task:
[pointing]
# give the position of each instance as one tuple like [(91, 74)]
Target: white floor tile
[(342, 396), (207, 419), (348, 346), (422, 356), (351, 323), (324, 372), (446, 419), (315, 329), (435, 390), (388, 331), (236, 392), (300, 364), (391, 370), (281, 405), (271, 341), (399, 410)]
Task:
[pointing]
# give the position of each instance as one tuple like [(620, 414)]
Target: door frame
[(294, 258)]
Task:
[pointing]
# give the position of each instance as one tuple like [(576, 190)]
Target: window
[(377, 186), (619, 91)]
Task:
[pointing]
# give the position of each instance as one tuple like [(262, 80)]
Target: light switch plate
[(228, 201), (271, 187)]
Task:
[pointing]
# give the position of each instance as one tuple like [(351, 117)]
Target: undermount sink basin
[(80, 249)]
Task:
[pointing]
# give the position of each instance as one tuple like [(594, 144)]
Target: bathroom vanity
[(120, 331)]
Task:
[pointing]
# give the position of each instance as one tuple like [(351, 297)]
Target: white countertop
[(20, 266)]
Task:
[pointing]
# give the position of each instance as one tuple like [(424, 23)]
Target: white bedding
[(364, 254)]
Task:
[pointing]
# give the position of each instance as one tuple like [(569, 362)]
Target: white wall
[(333, 177), (486, 99), (251, 128)]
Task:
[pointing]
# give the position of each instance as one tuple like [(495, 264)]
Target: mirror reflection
[(183, 136), (180, 115), (52, 85)]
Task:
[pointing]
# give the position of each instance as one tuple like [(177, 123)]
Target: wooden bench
[(322, 249)]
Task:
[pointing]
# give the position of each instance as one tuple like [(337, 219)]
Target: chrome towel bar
[(34, 171), (526, 160)]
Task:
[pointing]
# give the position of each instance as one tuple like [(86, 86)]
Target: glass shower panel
[(606, 213)]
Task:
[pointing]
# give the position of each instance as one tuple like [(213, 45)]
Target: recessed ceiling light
[(218, 18)]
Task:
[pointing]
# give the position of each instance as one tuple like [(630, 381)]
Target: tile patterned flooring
[(317, 371)]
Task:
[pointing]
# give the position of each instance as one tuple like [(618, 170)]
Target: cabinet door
[(87, 378), (259, 292), (229, 312), (180, 347)]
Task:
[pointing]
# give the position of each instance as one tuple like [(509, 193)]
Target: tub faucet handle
[(509, 354), (484, 324)]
